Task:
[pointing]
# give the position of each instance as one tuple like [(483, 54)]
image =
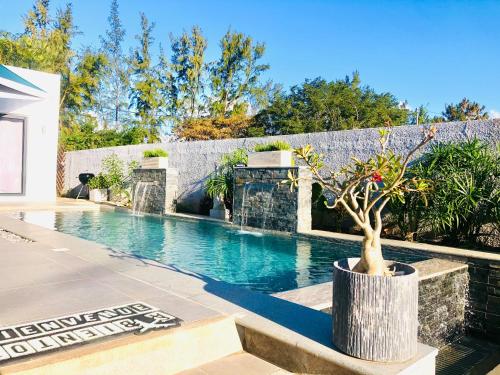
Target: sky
[(429, 52)]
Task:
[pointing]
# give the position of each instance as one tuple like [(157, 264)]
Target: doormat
[(68, 331)]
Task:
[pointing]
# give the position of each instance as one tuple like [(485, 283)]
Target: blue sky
[(426, 52)]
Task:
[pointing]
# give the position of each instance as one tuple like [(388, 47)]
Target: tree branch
[(352, 213)]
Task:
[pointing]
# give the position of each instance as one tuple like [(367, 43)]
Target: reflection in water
[(303, 262), (267, 263), (46, 219)]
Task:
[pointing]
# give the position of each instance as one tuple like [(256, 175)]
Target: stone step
[(239, 363)]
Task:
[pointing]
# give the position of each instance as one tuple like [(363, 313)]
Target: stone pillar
[(171, 190), (160, 194), (443, 290), (263, 199)]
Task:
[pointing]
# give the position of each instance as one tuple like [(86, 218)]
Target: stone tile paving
[(11, 237)]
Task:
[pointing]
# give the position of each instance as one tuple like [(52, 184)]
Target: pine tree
[(114, 96), (465, 110), (146, 96), (45, 45), (235, 76), (319, 105), (187, 69)]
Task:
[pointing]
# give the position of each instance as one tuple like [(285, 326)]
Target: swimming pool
[(266, 263)]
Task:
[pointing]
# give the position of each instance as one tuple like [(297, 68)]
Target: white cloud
[(494, 113)]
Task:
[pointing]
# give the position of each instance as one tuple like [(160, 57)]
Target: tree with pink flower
[(363, 188)]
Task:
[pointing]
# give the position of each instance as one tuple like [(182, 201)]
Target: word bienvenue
[(47, 335)]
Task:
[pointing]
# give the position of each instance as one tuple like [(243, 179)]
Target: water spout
[(255, 195), (140, 193)]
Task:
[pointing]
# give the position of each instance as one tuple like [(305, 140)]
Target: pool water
[(261, 262)]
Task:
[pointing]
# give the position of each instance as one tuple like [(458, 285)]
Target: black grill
[(84, 180), (85, 177)]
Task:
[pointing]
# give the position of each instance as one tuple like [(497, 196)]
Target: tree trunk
[(372, 261)]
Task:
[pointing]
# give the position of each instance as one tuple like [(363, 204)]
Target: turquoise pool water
[(266, 263)]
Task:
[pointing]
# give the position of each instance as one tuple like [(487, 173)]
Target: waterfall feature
[(154, 191), (263, 199), (142, 189), (244, 211), (257, 195)]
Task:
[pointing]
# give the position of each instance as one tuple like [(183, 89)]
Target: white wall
[(42, 118)]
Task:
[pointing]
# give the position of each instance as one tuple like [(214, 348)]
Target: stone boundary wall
[(196, 160)]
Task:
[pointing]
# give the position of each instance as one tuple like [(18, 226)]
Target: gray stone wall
[(263, 200), (483, 309), (442, 298), (160, 191), (196, 160)]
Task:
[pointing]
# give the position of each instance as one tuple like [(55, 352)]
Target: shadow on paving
[(305, 321), (466, 356)]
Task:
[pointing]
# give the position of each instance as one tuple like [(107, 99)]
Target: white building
[(29, 116)]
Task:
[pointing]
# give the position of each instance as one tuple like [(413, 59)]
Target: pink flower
[(376, 177)]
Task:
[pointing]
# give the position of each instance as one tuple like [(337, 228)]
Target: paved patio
[(59, 274)]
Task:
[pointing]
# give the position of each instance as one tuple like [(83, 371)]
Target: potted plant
[(220, 183), (155, 159), (375, 301), (274, 154), (98, 188)]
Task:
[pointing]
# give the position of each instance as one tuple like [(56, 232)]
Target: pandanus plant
[(363, 189)]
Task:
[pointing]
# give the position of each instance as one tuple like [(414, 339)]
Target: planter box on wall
[(375, 317), (270, 159), (98, 195), (155, 163)]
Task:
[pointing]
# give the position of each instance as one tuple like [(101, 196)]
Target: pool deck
[(58, 274)]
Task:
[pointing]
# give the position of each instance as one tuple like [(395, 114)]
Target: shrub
[(113, 168), (156, 153), (98, 182), (117, 174), (220, 182), (206, 128), (273, 146), (465, 192)]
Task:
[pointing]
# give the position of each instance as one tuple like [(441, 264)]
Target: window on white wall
[(11, 155)]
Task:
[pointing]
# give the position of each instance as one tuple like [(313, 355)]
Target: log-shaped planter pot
[(375, 317)]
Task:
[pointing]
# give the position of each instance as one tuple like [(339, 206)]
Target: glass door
[(11, 156)]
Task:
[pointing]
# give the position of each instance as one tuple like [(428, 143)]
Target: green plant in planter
[(98, 182), (118, 176), (363, 189), (273, 146), (156, 153), (220, 182)]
